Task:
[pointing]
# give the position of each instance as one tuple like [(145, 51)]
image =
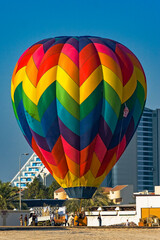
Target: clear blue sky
[(135, 24)]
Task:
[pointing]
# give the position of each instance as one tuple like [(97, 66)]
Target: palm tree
[(8, 196), (72, 205), (99, 199)]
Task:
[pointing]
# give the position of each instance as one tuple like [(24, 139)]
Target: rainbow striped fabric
[(78, 101)]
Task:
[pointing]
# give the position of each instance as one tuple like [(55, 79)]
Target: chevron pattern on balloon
[(78, 102)]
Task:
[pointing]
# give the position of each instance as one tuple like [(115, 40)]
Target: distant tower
[(140, 163), (145, 150)]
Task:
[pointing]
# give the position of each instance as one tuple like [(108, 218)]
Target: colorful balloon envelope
[(78, 102)]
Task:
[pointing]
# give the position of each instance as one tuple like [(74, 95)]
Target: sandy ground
[(83, 233)]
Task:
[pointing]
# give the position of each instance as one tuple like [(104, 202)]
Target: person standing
[(99, 220), (36, 220), (21, 220), (76, 219), (25, 220), (127, 223), (52, 219), (33, 219), (66, 219), (71, 221)]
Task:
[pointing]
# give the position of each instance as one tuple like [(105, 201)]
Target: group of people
[(23, 221), (76, 219), (69, 221)]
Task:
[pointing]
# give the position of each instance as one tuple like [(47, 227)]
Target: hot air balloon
[(78, 102)]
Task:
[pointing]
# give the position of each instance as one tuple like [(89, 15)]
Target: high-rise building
[(145, 160), (140, 163), (31, 169)]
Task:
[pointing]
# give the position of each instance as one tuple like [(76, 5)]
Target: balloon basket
[(80, 192)]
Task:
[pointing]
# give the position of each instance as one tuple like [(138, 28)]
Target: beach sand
[(83, 234)]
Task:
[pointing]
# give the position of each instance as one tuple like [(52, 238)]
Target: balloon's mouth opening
[(80, 192)]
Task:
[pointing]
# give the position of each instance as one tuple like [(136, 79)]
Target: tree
[(54, 186), (99, 199), (72, 205), (35, 190), (8, 196)]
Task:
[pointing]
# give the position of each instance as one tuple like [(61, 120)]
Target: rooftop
[(59, 190), (118, 188), (106, 189)]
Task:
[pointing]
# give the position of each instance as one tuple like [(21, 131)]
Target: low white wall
[(111, 218), (11, 218)]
